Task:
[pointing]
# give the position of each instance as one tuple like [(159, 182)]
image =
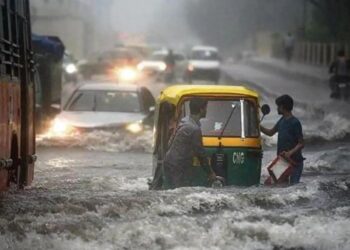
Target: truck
[(48, 57)]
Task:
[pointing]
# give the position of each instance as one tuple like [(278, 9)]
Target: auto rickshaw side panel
[(242, 167)]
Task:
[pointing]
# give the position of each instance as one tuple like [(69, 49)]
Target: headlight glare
[(140, 66), (162, 66), (60, 128), (127, 74), (71, 68), (135, 128)]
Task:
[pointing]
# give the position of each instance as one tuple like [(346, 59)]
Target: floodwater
[(91, 192)]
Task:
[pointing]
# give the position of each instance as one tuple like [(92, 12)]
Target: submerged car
[(204, 64), (105, 106)]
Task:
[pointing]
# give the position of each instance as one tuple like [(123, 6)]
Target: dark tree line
[(224, 22), (330, 20)]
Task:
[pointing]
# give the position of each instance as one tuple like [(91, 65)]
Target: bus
[(17, 131)]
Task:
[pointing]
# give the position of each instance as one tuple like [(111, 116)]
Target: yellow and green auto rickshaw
[(231, 133)]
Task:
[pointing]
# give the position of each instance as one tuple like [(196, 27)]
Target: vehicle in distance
[(204, 64), (105, 106)]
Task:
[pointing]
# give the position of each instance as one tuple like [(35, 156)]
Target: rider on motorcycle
[(170, 62), (340, 69)]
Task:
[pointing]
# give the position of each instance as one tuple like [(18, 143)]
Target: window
[(205, 55), (105, 101), (157, 57), (251, 119), (14, 38), (221, 113), (6, 43), (9, 29)]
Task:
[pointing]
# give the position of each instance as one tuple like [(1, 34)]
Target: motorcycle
[(340, 87), (344, 90)]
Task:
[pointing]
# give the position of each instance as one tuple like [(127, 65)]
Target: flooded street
[(103, 100), (85, 199), (91, 193)]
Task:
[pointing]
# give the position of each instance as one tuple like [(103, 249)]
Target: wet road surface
[(92, 193)]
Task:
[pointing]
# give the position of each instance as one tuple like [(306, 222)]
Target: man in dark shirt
[(290, 136), (185, 144), (170, 62), (340, 69)]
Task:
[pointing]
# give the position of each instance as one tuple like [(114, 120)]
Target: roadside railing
[(321, 54)]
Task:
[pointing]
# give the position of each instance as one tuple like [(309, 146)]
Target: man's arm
[(269, 132), (298, 147), (200, 153)]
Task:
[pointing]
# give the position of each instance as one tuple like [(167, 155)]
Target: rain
[(99, 84)]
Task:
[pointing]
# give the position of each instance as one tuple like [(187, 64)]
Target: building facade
[(74, 21)]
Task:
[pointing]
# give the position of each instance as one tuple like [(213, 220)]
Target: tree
[(331, 19), (226, 22)]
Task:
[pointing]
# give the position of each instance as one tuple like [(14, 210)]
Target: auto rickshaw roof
[(174, 93)]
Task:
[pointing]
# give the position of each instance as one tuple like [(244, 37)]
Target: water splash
[(100, 140)]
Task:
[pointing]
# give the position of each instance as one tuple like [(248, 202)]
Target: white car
[(109, 106), (155, 64), (204, 64)]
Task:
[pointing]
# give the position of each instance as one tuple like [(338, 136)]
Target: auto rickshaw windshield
[(242, 123)]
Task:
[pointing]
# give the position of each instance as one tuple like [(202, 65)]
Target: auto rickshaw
[(231, 133)]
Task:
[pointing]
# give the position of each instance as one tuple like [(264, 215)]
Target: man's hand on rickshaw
[(212, 176)]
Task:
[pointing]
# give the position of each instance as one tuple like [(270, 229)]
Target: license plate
[(342, 85)]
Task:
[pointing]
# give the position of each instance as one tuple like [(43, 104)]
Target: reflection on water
[(100, 140)]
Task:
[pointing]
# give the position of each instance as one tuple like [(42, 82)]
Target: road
[(93, 193)]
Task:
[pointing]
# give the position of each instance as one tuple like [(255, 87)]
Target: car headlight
[(60, 128), (127, 74), (140, 66), (135, 128), (190, 67), (71, 68), (162, 66)]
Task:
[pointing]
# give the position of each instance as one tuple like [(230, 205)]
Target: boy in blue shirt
[(290, 136)]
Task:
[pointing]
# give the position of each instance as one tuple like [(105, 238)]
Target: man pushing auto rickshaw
[(215, 140), (186, 143)]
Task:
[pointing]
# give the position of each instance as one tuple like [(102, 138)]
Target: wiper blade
[(228, 120)]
